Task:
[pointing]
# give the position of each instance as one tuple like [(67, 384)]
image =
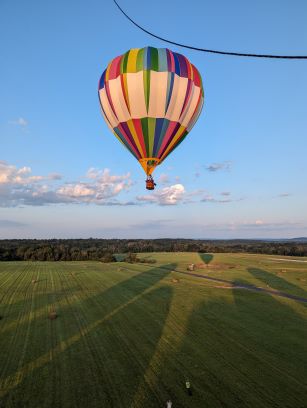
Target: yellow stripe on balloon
[(135, 136), (131, 65), (125, 90), (107, 72)]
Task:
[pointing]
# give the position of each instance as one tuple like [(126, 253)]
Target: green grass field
[(129, 335)]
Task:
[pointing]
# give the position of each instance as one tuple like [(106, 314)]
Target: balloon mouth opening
[(149, 164), (150, 184)]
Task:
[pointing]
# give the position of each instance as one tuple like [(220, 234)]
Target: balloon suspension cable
[(191, 47)]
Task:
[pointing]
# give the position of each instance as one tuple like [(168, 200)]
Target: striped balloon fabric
[(151, 98)]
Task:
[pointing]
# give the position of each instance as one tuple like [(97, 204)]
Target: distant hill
[(300, 239)]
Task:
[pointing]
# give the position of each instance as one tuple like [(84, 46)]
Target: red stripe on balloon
[(171, 130), (108, 93), (139, 132), (196, 76), (123, 127)]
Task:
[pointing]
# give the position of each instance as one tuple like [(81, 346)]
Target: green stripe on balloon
[(144, 123), (146, 79), (151, 134), (154, 59), (140, 60)]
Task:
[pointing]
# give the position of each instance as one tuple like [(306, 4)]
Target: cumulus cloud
[(19, 187), (19, 122), (171, 195), (213, 167)]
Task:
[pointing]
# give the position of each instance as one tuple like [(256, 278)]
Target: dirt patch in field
[(215, 266)]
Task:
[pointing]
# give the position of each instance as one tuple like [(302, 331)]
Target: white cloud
[(19, 187), (19, 122), (76, 190), (171, 195), (12, 175)]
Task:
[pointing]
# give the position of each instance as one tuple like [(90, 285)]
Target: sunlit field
[(130, 335)]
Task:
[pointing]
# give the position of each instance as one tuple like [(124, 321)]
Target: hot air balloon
[(150, 98)]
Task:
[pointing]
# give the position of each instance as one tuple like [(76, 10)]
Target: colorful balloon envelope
[(150, 98)]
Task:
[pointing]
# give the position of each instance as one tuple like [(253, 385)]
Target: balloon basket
[(150, 184)]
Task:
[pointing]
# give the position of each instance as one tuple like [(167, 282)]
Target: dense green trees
[(103, 249)]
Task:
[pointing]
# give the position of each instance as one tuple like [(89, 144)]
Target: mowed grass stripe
[(19, 311)]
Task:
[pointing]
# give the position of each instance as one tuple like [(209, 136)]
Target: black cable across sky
[(234, 54)]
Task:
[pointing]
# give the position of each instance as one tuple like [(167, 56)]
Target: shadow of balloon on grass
[(206, 258)]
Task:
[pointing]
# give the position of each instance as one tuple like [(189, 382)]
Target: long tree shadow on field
[(206, 258), (277, 283), (97, 352), (12, 311), (245, 349)]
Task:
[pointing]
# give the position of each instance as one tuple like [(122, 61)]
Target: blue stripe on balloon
[(158, 128), (170, 85), (177, 64), (102, 78), (164, 127)]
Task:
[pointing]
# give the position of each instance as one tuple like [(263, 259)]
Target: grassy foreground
[(129, 335)]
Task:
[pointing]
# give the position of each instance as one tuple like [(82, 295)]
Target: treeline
[(105, 249)]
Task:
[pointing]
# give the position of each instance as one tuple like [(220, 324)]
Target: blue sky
[(240, 173)]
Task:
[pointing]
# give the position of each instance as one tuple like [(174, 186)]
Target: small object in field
[(169, 404), (175, 280), (188, 387), (191, 267), (53, 315), (34, 281)]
